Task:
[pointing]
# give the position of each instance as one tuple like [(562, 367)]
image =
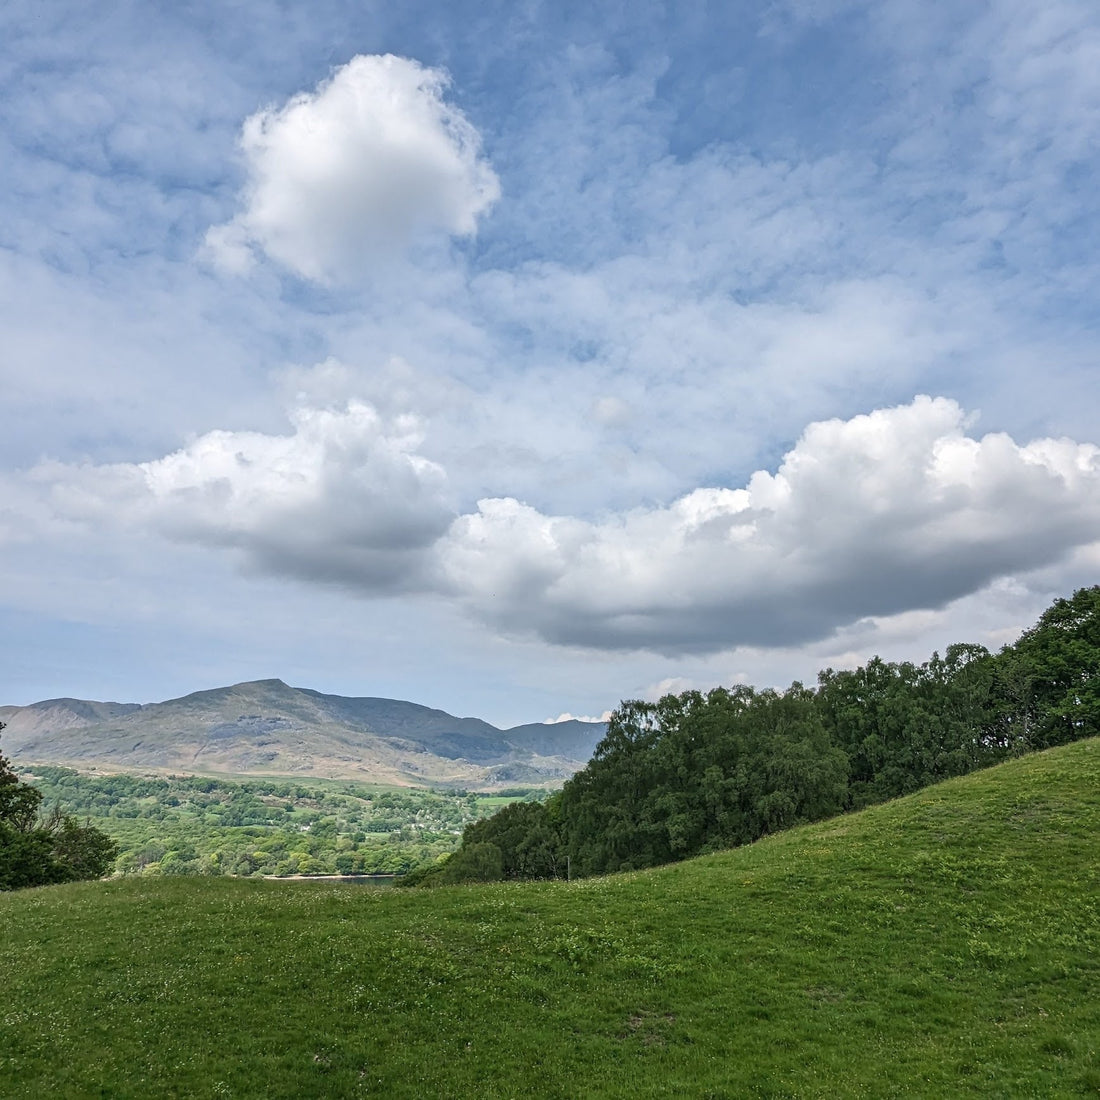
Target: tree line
[(697, 772)]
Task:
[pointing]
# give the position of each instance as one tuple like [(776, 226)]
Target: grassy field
[(944, 945)]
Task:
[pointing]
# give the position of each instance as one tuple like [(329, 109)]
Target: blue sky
[(522, 358)]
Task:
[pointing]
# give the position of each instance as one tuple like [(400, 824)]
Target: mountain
[(266, 727)]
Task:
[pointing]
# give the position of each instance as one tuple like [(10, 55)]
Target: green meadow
[(945, 944)]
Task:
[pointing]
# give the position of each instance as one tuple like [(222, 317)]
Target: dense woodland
[(693, 773)]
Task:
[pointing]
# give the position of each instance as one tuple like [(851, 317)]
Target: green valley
[(211, 825)]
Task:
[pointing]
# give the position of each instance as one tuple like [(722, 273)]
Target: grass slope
[(947, 944)]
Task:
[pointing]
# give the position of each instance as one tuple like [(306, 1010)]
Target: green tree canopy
[(1049, 680)]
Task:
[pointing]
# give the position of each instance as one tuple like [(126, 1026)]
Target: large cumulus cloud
[(355, 170), (879, 514), (888, 512), (343, 498)]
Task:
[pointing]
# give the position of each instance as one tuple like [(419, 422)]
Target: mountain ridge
[(267, 727)]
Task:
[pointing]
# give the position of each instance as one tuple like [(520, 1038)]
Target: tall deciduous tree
[(1049, 681)]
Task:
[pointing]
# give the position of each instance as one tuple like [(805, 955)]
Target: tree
[(18, 801), (526, 837), (38, 851), (692, 773), (1049, 681), (481, 862)]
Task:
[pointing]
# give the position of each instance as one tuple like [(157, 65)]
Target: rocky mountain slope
[(266, 727)]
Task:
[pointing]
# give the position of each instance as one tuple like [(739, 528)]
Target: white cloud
[(567, 717), (896, 511), (887, 512), (345, 498), (674, 685), (356, 170)]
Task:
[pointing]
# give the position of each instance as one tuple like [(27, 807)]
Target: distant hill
[(266, 727)]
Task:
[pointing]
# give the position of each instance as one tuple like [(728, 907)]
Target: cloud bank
[(893, 511), (354, 171), (876, 515)]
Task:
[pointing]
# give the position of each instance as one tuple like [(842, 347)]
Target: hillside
[(266, 727), (945, 944)]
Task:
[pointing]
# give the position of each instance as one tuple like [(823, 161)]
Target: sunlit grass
[(943, 945)]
